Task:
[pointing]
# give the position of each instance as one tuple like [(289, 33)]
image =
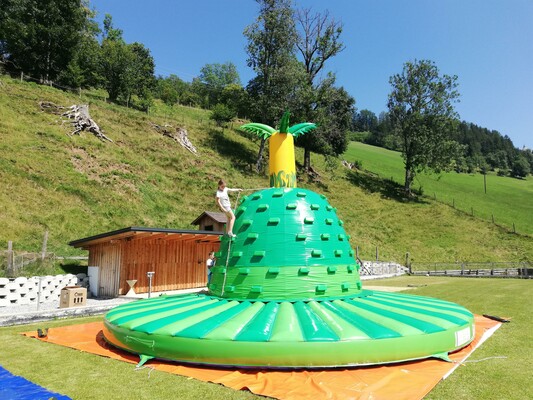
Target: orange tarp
[(410, 380)]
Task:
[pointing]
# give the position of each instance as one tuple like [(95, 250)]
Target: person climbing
[(210, 263), (223, 202)]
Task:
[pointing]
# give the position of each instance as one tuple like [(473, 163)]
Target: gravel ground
[(25, 314), (54, 305)]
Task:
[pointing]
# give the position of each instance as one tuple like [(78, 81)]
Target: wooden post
[(407, 263), (22, 76), (377, 253), (10, 270), (45, 242)]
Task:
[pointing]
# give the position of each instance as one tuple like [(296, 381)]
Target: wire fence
[(519, 269), (23, 263), (464, 209)]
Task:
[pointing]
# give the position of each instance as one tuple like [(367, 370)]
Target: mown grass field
[(86, 376), (509, 200), (77, 186)]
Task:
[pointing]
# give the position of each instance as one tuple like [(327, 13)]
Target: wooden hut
[(178, 258), (211, 221)]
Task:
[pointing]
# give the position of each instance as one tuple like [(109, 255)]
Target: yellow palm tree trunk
[(282, 165)]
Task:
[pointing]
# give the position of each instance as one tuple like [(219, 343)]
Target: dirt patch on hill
[(118, 175)]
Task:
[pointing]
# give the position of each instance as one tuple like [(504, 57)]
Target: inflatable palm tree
[(282, 165)]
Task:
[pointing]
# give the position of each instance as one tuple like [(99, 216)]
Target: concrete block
[(22, 291), (4, 302), (12, 297), (3, 281), (21, 281), (3, 292), (12, 287), (23, 301)]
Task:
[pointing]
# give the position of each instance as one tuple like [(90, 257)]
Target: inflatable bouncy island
[(286, 293)]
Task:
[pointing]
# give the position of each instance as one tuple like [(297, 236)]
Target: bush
[(222, 114)]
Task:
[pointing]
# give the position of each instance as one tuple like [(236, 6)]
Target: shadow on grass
[(241, 157), (386, 187)]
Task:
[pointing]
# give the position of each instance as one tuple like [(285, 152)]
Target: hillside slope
[(78, 186), (508, 200)]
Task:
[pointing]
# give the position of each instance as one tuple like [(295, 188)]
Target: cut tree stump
[(180, 135), (78, 115)]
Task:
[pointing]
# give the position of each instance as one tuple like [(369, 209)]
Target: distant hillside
[(507, 200), (79, 186)]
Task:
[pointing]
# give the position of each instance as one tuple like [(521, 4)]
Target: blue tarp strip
[(14, 387)]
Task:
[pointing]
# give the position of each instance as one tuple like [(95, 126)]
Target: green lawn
[(86, 376), (509, 200)]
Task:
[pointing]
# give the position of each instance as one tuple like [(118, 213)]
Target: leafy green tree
[(222, 114), (41, 37), (236, 98), (333, 113), (422, 113), (365, 121), (140, 75), (520, 167), (214, 78), (116, 58), (84, 68), (271, 46), (170, 89), (128, 69)]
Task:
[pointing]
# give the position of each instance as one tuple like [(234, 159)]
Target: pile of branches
[(180, 135), (78, 116)]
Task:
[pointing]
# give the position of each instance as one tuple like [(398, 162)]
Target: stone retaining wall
[(21, 291)]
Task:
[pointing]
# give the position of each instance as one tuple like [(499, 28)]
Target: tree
[(520, 167), (318, 41), (40, 37), (422, 113), (140, 74), (271, 42), (215, 77), (128, 69), (333, 112), (365, 121), (222, 114)]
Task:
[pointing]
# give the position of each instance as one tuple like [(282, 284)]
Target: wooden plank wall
[(178, 264), (107, 256)]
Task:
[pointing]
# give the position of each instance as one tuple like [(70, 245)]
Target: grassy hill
[(78, 186), (508, 200)]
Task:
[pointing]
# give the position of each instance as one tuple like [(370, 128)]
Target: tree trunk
[(259, 163), (409, 176), (307, 159)]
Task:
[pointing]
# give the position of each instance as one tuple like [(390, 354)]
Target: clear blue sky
[(488, 44)]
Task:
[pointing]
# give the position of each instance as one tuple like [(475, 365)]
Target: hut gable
[(211, 221)]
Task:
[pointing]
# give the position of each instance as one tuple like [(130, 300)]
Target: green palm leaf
[(300, 129), (261, 130)]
